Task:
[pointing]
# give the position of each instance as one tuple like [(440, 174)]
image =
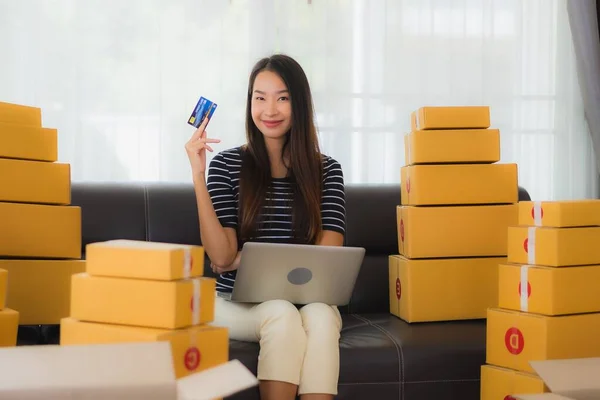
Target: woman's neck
[(274, 148)]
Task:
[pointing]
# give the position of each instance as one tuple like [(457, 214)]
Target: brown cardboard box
[(560, 214), (25, 181), (568, 379), (554, 247), (20, 114), (548, 290), (9, 325), (3, 287), (28, 142), (515, 338), (41, 289), (459, 184), (144, 260), (40, 231), (454, 231), (145, 303), (194, 348), (500, 383), (443, 289), (123, 371), (452, 146), (453, 117)]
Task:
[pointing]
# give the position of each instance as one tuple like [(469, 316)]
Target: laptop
[(300, 274)]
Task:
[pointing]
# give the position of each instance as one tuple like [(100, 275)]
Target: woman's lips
[(272, 124)]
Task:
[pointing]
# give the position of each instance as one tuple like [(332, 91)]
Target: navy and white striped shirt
[(223, 188)]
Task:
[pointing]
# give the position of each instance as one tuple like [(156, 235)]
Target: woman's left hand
[(232, 267)]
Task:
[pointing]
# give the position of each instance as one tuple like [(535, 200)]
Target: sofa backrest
[(166, 212)]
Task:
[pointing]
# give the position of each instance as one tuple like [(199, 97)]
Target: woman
[(279, 188)]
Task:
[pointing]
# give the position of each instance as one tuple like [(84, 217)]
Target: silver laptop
[(300, 274)]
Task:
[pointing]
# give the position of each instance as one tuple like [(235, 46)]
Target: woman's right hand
[(196, 149)]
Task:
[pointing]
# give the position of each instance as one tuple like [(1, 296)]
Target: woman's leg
[(277, 326), (321, 368)]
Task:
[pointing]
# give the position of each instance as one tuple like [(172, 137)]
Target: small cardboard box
[(129, 371), (459, 184), (3, 287), (194, 348), (567, 379), (452, 146), (514, 338), (548, 290), (554, 247), (560, 214), (453, 117), (42, 182), (443, 289), (41, 289), (9, 325), (40, 231), (144, 260), (28, 142), (454, 231), (500, 383), (20, 114), (145, 303)]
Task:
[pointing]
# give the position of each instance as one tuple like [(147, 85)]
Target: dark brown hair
[(305, 167)]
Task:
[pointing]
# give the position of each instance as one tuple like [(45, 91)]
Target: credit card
[(203, 108)]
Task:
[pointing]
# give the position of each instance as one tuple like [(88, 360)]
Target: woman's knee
[(280, 313), (320, 316)]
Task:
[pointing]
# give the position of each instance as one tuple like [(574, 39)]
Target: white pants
[(296, 346)]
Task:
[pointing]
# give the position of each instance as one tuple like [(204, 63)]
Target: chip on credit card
[(203, 108)]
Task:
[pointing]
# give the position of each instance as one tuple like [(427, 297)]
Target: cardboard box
[(20, 114), (145, 303), (548, 290), (40, 182), (459, 184), (569, 379), (144, 260), (454, 231), (560, 214), (9, 325), (194, 349), (515, 338), (443, 289), (500, 383), (3, 287), (41, 289), (40, 231), (553, 247), (28, 142), (454, 117), (130, 371), (452, 146)]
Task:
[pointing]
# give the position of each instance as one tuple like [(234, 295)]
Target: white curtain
[(118, 79)]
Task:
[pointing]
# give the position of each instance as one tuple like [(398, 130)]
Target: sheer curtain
[(118, 79)]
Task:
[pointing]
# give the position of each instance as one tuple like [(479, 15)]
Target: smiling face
[(271, 105)]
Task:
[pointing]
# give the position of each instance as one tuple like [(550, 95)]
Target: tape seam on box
[(417, 120), (187, 262), (537, 213), (531, 245), (196, 302), (524, 288)]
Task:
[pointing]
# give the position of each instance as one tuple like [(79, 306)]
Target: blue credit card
[(204, 108)]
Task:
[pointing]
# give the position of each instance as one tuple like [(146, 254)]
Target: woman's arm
[(219, 243), (331, 238), (333, 205)]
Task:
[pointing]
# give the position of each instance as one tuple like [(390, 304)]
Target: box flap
[(103, 371), (217, 382)]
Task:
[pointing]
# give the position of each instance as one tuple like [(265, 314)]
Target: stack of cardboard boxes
[(549, 298), (457, 203), (137, 291), (40, 234), (9, 319)]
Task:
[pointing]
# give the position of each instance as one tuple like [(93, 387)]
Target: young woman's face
[(271, 105)]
